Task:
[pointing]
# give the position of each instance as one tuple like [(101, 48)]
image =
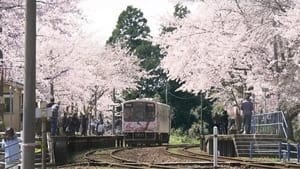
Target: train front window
[(139, 111), (149, 111)]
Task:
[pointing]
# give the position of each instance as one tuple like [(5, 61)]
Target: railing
[(49, 156), (290, 150), (10, 164), (259, 149), (285, 151), (269, 123)]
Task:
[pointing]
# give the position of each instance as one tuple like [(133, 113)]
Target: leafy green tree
[(132, 32), (186, 108), (131, 29), (151, 55), (155, 83), (181, 11), (183, 104)]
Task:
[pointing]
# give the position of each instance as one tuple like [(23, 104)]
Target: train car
[(145, 122)]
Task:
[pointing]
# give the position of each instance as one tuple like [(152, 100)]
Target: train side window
[(127, 112)]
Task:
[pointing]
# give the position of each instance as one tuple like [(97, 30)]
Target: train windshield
[(139, 111)]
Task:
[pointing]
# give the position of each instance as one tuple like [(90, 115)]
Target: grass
[(176, 139), (263, 159)]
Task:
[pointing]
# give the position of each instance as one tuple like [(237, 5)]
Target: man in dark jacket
[(84, 125), (224, 123), (247, 108)]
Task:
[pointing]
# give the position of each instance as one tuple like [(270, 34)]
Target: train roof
[(152, 100)]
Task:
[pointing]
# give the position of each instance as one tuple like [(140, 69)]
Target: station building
[(11, 105)]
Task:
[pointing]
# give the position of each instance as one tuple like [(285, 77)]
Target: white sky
[(103, 14)]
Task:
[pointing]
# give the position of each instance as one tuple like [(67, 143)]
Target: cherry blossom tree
[(79, 71), (233, 45), (103, 71), (226, 41), (54, 60), (54, 15), (69, 66)]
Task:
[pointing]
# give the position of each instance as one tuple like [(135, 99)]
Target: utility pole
[(95, 101), (10, 106), (1, 83), (202, 123), (29, 86), (166, 93), (113, 112)]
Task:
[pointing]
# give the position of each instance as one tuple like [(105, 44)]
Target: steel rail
[(245, 162)]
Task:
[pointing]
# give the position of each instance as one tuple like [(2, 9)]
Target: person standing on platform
[(238, 118), (224, 123), (74, 125), (49, 108), (93, 125), (10, 144), (100, 128), (217, 121), (84, 125), (247, 108), (64, 122), (54, 118)]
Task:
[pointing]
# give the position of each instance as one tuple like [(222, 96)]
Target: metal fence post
[(215, 147), (298, 152), (251, 150), (43, 108), (280, 151), (288, 155)]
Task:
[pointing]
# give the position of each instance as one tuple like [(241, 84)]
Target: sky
[(103, 14)]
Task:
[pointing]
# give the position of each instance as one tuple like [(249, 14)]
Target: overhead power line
[(182, 98)]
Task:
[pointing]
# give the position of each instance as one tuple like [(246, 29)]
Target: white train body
[(145, 121)]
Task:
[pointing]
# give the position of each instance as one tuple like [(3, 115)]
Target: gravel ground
[(141, 155), (153, 155)]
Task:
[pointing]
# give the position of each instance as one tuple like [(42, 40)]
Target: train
[(145, 122)]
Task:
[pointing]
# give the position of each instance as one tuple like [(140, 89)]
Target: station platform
[(238, 145), (63, 145)]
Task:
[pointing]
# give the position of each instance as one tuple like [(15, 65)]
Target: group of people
[(71, 124), (242, 118)]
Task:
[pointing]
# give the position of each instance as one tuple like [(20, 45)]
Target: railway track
[(114, 160), (233, 161), (168, 157)]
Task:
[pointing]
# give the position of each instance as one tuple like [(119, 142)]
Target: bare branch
[(241, 10), (280, 6), (10, 7)]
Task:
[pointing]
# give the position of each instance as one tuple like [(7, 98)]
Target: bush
[(2, 126), (178, 136)]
